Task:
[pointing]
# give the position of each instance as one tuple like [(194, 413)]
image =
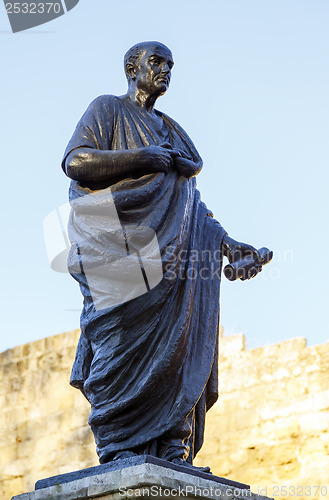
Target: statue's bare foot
[(180, 461)]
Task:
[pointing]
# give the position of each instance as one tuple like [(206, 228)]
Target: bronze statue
[(147, 365)]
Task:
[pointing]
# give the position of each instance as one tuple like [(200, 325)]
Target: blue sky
[(250, 86)]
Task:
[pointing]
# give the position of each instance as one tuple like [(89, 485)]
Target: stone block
[(149, 478)]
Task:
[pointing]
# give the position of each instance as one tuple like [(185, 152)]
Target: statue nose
[(165, 69)]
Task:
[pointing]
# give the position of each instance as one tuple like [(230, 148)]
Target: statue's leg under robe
[(173, 446), (175, 443)]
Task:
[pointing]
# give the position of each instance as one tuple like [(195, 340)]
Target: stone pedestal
[(140, 477)]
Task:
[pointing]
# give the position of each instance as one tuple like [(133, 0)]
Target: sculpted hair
[(132, 56)]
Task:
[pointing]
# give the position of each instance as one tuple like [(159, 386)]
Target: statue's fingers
[(166, 145), (175, 153), (183, 154), (166, 157), (255, 271), (254, 252), (250, 275)]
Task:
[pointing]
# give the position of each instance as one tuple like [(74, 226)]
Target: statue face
[(153, 70)]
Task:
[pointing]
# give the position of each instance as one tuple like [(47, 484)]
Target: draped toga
[(147, 363)]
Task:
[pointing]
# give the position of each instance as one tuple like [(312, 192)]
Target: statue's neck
[(142, 99)]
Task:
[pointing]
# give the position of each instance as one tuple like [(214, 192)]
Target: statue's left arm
[(189, 164)]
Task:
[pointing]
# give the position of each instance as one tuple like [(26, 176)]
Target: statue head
[(148, 66)]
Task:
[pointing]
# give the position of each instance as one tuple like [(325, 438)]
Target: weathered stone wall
[(43, 429), (269, 427)]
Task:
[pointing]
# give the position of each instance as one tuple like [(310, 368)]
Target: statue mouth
[(163, 80)]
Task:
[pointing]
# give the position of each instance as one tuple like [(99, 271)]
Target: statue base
[(138, 477)]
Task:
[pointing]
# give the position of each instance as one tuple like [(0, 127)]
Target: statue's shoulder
[(105, 102)]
